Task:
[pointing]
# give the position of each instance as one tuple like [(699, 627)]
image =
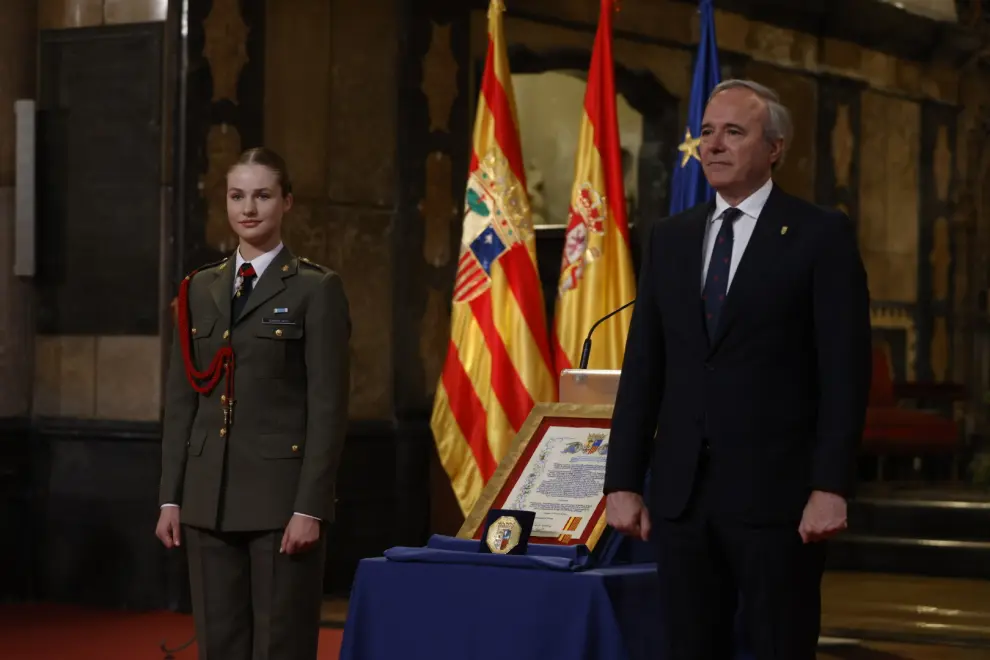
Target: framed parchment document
[(556, 469)]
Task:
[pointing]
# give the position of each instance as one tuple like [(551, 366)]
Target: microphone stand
[(586, 349)]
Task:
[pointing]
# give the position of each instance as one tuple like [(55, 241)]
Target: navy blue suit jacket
[(778, 398)]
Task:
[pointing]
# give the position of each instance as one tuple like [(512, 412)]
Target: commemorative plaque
[(555, 470)]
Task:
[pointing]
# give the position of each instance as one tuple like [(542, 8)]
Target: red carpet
[(56, 632)]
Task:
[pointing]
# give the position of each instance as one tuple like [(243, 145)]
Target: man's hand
[(626, 512), (824, 517), (167, 529), (300, 534)]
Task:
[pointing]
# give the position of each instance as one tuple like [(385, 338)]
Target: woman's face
[(255, 204)]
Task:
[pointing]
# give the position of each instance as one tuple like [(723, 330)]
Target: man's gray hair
[(778, 125)]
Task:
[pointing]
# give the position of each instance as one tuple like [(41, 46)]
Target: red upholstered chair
[(892, 429)]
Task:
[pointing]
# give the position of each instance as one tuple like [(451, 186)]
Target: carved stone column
[(18, 44)]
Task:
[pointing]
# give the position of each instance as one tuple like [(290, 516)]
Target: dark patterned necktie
[(247, 274), (717, 281)]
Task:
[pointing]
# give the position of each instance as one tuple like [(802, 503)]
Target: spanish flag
[(498, 360), (596, 272)]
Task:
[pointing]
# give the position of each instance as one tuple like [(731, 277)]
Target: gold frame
[(476, 519)]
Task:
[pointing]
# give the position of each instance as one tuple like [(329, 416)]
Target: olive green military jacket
[(280, 452)]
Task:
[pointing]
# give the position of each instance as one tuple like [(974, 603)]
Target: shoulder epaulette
[(312, 264), (221, 263)]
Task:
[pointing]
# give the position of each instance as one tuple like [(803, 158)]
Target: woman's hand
[(300, 534), (167, 530)]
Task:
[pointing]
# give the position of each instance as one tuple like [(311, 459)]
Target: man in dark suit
[(744, 386)]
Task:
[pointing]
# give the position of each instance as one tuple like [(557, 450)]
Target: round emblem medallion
[(503, 535)]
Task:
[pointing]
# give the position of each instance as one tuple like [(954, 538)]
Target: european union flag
[(690, 187)]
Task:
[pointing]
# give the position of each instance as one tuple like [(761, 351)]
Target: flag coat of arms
[(596, 272), (498, 362)]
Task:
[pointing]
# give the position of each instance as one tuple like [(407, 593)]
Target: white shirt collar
[(751, 206), (260, 263)]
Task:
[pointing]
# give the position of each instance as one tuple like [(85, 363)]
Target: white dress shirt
[(260, 263), (742, 228)]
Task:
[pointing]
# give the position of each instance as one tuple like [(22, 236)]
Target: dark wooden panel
[(835, 93), (79, 499), (16, 514), (413, 277), (197, 112), (99, 180), (935, 118), (874, 24)]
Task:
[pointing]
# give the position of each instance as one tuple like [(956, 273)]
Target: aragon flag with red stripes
[(498, 362)]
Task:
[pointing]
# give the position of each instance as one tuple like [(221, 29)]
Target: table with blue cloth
[(448, 601)]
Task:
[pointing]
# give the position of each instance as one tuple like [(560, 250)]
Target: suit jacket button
[(278, 333), (223, 432), (226, 333), (295, 447)]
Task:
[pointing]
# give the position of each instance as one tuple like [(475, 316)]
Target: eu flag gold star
[(689, 148)]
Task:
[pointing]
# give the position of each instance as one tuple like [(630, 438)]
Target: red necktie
[(247, 274)]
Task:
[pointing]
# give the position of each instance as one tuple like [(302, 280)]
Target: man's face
[(735, 154)]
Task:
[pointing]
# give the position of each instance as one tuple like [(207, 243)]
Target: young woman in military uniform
[(255, 416)]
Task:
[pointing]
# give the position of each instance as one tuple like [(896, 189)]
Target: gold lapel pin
[(783, 230), (285, 269)]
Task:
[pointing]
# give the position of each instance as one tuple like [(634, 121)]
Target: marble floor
[(907, 608), (886, 651)]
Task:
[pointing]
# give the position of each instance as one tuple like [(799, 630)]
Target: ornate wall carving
[(223, 115), (440, 78), (226, 47)]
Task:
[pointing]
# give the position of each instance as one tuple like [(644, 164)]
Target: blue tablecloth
[(449, 602)]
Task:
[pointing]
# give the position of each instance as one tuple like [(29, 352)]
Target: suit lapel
[(694, 248), (222, 289), (272, 282), (761, 251)]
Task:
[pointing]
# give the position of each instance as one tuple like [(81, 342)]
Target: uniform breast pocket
[(204, 341), (280, 347)]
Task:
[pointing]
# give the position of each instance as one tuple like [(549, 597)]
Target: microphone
[(586, 349)]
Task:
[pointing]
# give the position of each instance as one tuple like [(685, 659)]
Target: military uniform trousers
[(251, 602)]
